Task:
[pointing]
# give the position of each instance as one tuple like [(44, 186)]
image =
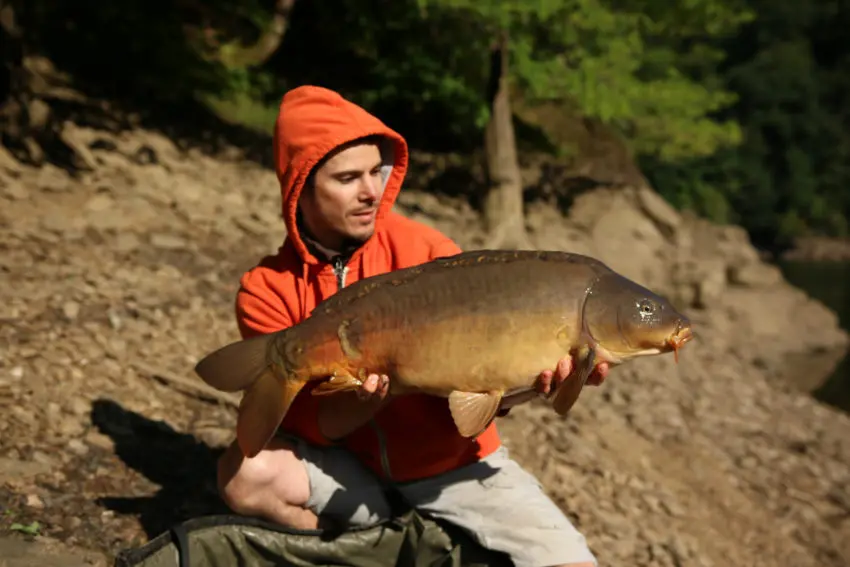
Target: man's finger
[(544, 382), (371, 383), (598, 375), (565, 366)]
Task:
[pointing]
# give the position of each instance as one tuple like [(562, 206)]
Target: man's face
[(345, 196)]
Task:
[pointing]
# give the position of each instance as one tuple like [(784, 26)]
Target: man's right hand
[(375, 387), (343, 413)]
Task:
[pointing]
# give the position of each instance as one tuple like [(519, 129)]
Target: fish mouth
[(677, 340)]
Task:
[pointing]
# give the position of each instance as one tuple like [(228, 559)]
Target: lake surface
[(828, 282)]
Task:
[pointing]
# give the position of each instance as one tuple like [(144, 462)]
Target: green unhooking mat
[(410, 540)]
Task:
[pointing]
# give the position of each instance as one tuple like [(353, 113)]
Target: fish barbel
[(473, 328)]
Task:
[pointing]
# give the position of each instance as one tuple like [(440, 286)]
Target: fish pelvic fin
[(568, 392), (236, 366), (472, 412), (262, 409), (340, 381)]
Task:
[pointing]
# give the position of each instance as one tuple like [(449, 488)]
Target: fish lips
[(683, 334)]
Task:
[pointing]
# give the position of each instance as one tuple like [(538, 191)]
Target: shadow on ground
[(183, 467)]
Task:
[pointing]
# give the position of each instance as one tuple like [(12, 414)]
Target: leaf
[(31, 529)]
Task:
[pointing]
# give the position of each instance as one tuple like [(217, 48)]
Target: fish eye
[(646, 307)]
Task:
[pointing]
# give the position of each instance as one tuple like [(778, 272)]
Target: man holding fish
[(341, 443)]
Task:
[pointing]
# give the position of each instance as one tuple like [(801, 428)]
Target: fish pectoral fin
[(472, 412), (568, 392), (339, 382), (235, 366), (262, 409)]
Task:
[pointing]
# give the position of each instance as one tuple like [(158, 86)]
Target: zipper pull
[(340, 270)]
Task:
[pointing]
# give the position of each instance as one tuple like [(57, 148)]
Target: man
[(340, 170)]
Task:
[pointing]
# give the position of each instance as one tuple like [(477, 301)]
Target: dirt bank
[(115, 282)]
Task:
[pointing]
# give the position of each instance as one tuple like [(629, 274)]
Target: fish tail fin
[(236, 366), (262, 409)]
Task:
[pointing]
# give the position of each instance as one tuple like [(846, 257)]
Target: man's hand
[(341, 414), (374, 388), (549, 380)]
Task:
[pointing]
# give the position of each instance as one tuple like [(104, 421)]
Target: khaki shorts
[(496, 501)]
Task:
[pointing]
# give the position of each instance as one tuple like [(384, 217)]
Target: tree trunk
[(237, 56), (503, 205)]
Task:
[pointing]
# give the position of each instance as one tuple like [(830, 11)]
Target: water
[(828, 282)]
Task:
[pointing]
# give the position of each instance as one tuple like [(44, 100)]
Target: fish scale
[(471, 328)]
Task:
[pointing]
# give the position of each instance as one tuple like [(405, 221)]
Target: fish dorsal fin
[(473, 411), (568, 392), (235, 366)]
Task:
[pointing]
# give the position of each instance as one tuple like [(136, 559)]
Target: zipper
[(340, 268)]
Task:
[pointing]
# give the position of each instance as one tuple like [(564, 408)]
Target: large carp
[(473, 328)]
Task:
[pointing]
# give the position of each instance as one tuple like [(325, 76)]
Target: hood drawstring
[(302, 290)]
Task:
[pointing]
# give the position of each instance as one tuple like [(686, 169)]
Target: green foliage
[(624, 62), (32, 528), (789, 177)]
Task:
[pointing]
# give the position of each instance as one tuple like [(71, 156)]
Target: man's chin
[(360, 234)]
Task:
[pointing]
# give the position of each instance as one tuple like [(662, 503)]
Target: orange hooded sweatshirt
[(282, 290)]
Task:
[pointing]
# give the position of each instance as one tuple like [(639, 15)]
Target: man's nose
[(370, 189)]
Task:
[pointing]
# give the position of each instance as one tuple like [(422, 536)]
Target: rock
[(61, 223), (8, 162), (83, 157), (819, 249), (100, 203), (755, 275), (168, 242), (15, 191), (34, 501), (39, 114), (189, 191), (96, 439), (78, 406), (71, 310), (78, 447), (658, 210), (126, 242), (251, 225), (710, 286)]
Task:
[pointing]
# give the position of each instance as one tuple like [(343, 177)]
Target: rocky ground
[(116, 281)]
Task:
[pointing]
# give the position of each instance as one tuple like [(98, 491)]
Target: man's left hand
[(549, 380)]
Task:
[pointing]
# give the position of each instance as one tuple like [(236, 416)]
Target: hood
[(311, 122)]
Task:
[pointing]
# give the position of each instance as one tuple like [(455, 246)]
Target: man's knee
[(246, 485)]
